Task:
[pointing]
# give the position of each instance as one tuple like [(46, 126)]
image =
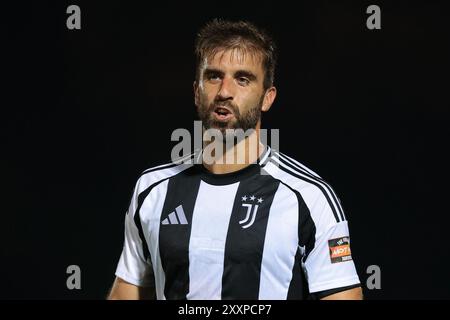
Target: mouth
[(222, 113)]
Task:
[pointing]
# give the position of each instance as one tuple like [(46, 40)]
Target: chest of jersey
[(214, 238)]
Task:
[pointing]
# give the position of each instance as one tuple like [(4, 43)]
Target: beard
[(246, 120)]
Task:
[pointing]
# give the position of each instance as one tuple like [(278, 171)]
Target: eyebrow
[(244, 73), (239, 73)]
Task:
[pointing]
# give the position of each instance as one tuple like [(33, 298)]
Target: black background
[(85, 111)]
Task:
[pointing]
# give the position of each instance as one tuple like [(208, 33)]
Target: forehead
[(234, 59)]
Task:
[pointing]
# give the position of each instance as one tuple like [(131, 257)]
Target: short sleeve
[(329, 264), (134, 267)]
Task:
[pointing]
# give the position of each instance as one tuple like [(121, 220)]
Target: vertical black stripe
[(244, 246), (298, 288), (306, 227), (330, 203), (174, 238), (137, 217)]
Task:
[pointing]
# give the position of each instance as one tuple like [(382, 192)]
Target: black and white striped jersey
[(273, 230)]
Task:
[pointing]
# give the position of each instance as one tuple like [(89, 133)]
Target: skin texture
[(352, 294), (233, 78), (122, 290)]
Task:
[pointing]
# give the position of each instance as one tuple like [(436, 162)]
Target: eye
[(213, 77), (243, 81)]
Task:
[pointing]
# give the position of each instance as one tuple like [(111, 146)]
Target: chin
[(222, 126)]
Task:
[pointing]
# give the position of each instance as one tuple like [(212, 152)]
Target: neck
[(238, 156)]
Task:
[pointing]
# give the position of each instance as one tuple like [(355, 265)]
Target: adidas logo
[(176, 217)]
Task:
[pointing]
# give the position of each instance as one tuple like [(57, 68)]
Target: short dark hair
[(221, 34)]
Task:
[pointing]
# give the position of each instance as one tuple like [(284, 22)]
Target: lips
[(223, 113)]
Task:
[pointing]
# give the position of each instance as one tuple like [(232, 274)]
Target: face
[(230, 92)]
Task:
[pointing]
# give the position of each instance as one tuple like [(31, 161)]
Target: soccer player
[(266, 227)]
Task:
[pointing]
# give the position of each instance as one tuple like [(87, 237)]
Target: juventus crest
[(252, 209)]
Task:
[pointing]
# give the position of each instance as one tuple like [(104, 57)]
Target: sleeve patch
[(339, 249)]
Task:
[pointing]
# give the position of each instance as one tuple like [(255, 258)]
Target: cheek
[(249, 100), (207, 94)]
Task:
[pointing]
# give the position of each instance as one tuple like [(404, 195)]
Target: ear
[(269, 98), (196, 94)]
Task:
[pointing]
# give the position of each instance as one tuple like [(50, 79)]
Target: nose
[(226, 89)]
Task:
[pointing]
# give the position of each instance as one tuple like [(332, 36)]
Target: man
[(266, 227)]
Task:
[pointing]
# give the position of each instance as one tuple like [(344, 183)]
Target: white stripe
[(320, 210), (162, 166), (280, 245), (313, 179), (173, 218), (152, 209), (199, 157), (210, 221), (149, 178), (184, 158), (170, 164), (150, 214), (299, 166), (265, 155), (181, 215)]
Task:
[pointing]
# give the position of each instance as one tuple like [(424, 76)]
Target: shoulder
[(292, 172), (317, 193), (157, 174)]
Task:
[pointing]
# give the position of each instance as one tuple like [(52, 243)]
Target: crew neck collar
[(235, 176)]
